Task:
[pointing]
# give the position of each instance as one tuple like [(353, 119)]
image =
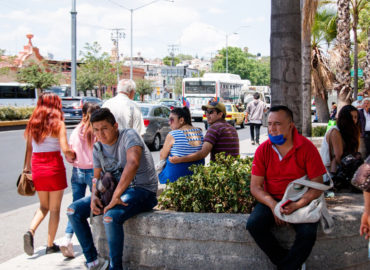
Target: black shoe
[(28, 243), (53, 249)]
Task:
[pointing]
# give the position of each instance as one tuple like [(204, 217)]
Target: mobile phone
[(288, 201)]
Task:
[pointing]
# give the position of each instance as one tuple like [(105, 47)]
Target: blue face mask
[(360, 98), (278, 139)]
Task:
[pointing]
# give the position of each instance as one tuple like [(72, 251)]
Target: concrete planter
[(177, 240)]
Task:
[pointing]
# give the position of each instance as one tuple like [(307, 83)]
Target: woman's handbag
[(25, 185), (313, 212), (160, 166)]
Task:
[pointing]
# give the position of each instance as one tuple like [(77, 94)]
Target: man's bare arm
[(133, 156), (262, 196), (206, 149)]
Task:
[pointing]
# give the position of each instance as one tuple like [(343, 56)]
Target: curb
[(13, 123)]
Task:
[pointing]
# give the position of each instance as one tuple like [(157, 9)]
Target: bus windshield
[(200, 87)]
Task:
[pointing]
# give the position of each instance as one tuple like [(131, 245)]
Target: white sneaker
[(99, 264), (67, 250)]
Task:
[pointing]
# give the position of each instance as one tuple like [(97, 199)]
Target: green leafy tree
[(143, 87), (244, 64), (178, 86), (199, 74), (97, 69), (184, 57), (168, 61), (39, 76)]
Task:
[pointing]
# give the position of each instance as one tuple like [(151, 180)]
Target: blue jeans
[(259, 226), (81, 178), (138, 199)]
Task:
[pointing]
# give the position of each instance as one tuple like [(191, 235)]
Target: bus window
[(200, 87)]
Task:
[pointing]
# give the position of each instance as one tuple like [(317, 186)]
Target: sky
[(197, 27)]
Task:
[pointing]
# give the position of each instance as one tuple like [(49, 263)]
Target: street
[(16, 211)]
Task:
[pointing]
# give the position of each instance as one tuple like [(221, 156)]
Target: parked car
[(170, 103), (72, 107), (156, 124), (233, 116)]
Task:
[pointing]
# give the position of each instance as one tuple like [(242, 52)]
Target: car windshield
[(228, 108), (68, 103), (144, 111)]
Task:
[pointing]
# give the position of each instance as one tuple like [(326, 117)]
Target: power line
[(116, 35), (171, 49)]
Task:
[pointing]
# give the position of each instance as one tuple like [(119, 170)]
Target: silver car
[(156, 124)]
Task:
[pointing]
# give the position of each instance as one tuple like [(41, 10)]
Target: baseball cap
[(214, 103)]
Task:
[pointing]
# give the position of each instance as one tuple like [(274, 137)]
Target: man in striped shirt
[(220, 137)]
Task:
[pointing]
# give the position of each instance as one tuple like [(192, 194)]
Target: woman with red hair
[(46, 136)]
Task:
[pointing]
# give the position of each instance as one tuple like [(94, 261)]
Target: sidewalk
[(18, 220)]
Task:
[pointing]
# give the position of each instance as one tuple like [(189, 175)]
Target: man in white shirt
[(126, 111)]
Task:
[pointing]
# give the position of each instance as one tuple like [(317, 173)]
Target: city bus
[(17, 94), (198, 91)]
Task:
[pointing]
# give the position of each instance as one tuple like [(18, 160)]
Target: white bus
[(198, 91), (17, 94)]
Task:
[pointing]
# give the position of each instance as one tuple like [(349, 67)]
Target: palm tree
[(286, 62), (343, 48), (357, 7), (307, 13), (322, 78)]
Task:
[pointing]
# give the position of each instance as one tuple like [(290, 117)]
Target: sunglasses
[(210, 111)]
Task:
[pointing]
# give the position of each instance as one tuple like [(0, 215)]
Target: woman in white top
[(46, 136), (341, 140)]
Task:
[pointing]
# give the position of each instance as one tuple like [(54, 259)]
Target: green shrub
[(221, 187), (107, 95), (318, 131), (15, 113)]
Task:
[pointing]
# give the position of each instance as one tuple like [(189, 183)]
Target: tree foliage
[(248, 66), (168, 60), (143, 87), (178, 86), (97, 71), (39, 76)]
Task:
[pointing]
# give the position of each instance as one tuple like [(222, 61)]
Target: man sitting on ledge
[(286, 156), (135, 192)]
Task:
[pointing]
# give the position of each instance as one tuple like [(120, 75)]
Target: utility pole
[(117, 33), (73, 40), (171, 49)]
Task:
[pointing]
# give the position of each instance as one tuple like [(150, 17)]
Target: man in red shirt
[(286, 156)]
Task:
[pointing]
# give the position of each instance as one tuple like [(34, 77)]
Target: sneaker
[(28, 243), (53, 249), (253, 142), (99, 264), (67, 250)]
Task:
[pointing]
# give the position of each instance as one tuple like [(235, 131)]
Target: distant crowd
[(110, 158)]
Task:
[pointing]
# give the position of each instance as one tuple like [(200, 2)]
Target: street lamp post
[(73, 48), (227, 51), (131, 34)]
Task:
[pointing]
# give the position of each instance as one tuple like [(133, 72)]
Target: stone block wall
[(177, 240)]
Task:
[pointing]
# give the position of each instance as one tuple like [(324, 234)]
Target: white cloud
[(197, 26)]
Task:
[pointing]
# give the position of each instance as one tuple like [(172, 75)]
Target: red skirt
[(48, 171)]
